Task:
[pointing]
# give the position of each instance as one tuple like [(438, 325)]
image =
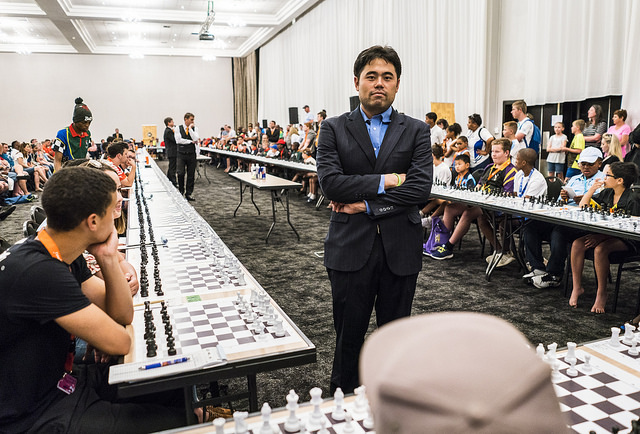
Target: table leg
[(204, 167), (188, 406), (238, 207), (274, 198), (286, 193), (253, 393), (254, 204), (495, 258)]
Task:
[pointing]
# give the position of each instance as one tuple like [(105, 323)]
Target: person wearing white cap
[(421, 380), (550, 275)]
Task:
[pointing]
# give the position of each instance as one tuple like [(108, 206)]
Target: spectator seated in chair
[(616, 195)]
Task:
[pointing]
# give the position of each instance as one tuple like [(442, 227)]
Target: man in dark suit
[(186, 136), (375, 166), (171, 149)]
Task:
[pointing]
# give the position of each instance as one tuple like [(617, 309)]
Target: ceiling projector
[(206, 36)]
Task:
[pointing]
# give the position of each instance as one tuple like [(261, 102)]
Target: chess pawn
[(218, 423), (241, 280), (266, 419), (348, 426), (540, 351), (316, 400), (368, 420), (572, 371), (555, 374), (279, 329), (633, 351), (292, 424), (338, 410), (587, 363)]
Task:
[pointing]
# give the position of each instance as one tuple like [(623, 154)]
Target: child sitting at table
[(616, 195), (463, 179)]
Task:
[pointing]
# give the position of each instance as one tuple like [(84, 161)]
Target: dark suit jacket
[(349, 172), (170, 146)]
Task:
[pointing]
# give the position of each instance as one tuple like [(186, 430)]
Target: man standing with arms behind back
[(186, 137), (375, 166), (171, 148)]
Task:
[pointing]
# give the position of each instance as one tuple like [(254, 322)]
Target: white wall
[(38, 93)]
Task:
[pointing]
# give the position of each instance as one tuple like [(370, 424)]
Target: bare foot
[(226, 170), (599, 304), (199, 414), (575, 294)]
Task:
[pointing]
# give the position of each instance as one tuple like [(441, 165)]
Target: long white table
[(299, 167), (211, 302)]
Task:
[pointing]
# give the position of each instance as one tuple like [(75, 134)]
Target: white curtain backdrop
[(474, 53), (312, 61)]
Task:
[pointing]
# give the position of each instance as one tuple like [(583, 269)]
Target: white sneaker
[(426, 222), (490, 257), (527, 277), (506, 259), (312, 196)]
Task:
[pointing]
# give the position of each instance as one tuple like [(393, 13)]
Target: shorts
[(555, 167)]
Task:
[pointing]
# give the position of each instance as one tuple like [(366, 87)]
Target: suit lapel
[(391, 137), (358, 129)]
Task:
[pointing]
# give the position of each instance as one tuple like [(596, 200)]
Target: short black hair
[(432, 116), (627, 171), (444, 122), (437, 152), (529, 155), (116, 148), (455, 128), (75, 162), (73, 194), (385, 53), (166, 121), (464, 157)]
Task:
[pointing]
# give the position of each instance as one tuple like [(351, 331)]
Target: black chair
[(37, 214), (554, 186), (29, 228)]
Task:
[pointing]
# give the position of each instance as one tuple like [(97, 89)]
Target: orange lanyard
[(54, 251), (495, 170)]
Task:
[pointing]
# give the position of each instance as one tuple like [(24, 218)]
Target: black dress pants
[(186, 163), (171, 171), (354, 296)]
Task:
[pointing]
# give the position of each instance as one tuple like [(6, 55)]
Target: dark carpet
[(293, 274)]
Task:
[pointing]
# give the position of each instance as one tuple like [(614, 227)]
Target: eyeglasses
[(608, 175)]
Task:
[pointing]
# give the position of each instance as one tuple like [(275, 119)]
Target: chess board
[(169, 233), (172, 254), (201, 322), (278, 418), (193, 279), (600, 398), (618, 353), (160, 219)]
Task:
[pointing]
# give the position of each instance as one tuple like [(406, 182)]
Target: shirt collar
[(386, 115), (75, 134)]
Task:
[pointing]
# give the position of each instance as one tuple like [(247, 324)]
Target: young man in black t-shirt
[(48, 296)]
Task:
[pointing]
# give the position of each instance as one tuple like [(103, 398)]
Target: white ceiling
[(143, 27)]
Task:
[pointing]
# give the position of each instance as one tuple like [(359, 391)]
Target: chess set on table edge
[(542, 206), (595, 357)]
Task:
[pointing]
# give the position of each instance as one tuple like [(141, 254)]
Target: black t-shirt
[(628, 201), (35, 289)]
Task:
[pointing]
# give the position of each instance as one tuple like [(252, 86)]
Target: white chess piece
[(628, 334), (368, 420), (323, 426), (241, 280), (361, 399), (571, 352), (292, 424), (316, 416), (240, 422), (551, 354), (615, 337), (633, 351), (266, 419), (572, 371), (348, 426), (540, 351), (218, 423), (279, 328), (338, 410), (587, 363), (555, 374)]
